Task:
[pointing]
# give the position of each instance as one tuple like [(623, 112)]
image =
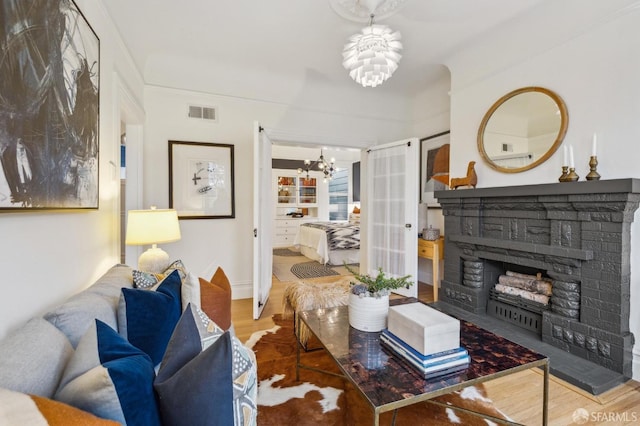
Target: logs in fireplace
[(520, 299), (529, 287)]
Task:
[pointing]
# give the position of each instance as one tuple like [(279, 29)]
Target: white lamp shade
[(152, 227)]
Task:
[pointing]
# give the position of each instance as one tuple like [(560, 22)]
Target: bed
[(332, 243)]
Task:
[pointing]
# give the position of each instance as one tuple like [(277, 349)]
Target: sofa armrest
[(33, 358)]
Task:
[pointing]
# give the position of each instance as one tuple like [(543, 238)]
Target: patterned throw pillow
[(203, 370), (110, 378), (190, 285), (147, 318), (143, 279)]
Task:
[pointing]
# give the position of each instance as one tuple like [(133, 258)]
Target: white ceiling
[(291, 37)]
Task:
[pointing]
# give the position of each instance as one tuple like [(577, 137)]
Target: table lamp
[(154, 226)]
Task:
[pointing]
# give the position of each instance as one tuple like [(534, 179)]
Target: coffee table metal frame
[(359, 353)]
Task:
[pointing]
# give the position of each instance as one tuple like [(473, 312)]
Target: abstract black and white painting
[(201, 180), (49, 106)]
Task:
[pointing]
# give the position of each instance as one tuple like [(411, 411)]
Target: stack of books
[(426, 339), (434, 365)]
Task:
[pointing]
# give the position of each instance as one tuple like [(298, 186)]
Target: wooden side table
[(433, 250)]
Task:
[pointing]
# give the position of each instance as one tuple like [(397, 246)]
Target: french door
[(262, 220), (392, 211)]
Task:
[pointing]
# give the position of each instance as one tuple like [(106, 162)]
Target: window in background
[(339, 195), (356, 180)]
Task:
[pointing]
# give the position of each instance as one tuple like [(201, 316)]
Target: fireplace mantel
[(576, 233), (614, 186)]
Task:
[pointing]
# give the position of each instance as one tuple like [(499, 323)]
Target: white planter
[(368, 313)]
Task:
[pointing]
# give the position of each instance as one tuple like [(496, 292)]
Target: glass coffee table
[(387, 383)]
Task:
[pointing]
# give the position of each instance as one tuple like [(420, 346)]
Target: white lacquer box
[(425, 329)]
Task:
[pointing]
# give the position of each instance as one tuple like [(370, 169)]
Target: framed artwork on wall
[(49, 113), (434, 167), (201, 180)]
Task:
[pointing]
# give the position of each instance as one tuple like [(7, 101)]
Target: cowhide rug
[(321, 399)]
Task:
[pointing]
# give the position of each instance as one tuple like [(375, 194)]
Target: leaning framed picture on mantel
[(434, 167), (201, 180)]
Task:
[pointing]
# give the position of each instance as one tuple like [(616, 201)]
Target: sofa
[(133, 348)]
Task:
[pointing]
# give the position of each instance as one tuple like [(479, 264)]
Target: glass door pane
[(307, 191), (286, 190)]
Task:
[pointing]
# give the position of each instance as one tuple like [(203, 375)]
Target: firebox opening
[(518, 295)]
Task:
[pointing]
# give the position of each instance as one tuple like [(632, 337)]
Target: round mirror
[(522, 129)]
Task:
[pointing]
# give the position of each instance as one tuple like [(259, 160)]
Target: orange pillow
[(215, 298), (356, 210), (21, 408)]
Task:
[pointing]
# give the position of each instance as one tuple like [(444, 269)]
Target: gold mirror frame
[(564, 123)]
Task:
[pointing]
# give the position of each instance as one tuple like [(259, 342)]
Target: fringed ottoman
[(304, 296)]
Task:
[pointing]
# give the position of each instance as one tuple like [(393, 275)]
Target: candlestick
[(565, 173), (572, 176), (571, 164), (593, 145), (593, 164)]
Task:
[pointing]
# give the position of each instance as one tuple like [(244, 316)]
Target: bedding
[(329, 242)]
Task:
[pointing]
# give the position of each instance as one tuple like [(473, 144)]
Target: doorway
[(129, 129), (313, 197)]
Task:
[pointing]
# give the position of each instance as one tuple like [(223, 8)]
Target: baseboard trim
[(242, 290)]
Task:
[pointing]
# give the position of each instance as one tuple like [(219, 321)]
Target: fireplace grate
[(520, 317), (518, 301)]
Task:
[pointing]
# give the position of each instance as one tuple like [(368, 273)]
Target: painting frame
[(50, 114), (429, 148), (201, 180)]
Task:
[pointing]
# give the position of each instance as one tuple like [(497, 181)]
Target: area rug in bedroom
[(286, 252), (321, 399), (294, 268)]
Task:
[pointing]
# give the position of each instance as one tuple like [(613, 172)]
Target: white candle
[(565, 157), (571, 165), (593, 145)]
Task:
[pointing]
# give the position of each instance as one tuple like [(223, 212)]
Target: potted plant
[(369, 299)]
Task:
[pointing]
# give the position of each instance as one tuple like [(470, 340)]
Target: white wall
[(431, 116), (207, 244), (596, 72), (48, 256)]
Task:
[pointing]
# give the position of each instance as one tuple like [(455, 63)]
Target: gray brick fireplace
[(575, 235)]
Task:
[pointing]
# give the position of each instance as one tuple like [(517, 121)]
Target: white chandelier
[(372, 55)]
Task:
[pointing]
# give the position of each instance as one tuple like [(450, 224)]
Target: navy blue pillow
[(147, 318), (195, 387), (109, 377)]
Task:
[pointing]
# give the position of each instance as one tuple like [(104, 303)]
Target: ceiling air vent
[(204, 113)]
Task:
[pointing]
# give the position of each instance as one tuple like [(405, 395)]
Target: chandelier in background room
[(372, 55), (328, 169)]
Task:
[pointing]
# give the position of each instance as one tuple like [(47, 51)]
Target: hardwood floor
[(519, 395)]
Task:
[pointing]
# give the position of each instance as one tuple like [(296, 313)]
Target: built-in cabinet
[(295, 193), (286, 229)]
